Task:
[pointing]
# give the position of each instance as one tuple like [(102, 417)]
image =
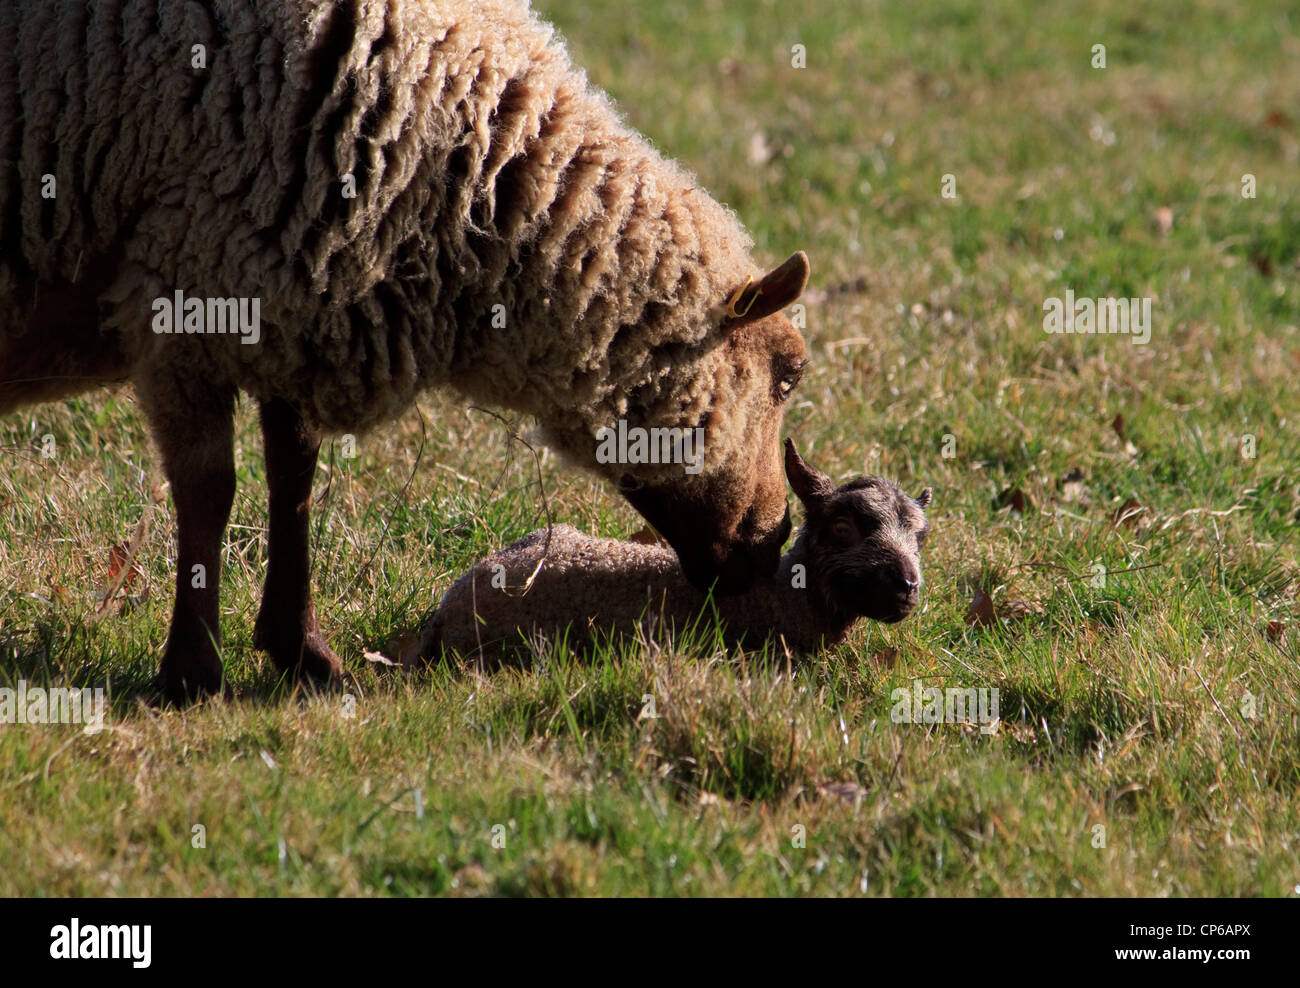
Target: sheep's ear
[(812, 486), (924, 498), (777, 289)]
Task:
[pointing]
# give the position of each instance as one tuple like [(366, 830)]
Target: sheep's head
[(862, 540), (728, 519)]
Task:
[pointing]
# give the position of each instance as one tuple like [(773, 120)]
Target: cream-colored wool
[(411, 194), (492, 183)]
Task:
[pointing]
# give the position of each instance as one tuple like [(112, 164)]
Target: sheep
[(333, 206), (857, 555)]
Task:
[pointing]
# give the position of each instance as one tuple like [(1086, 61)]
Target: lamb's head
[(862, 542), (726, 515)]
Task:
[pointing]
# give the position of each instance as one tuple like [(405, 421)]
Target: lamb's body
[(857, 555), (591, 588), (487, 173)]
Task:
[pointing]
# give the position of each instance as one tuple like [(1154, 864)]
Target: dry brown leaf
[(1275, 630), (886, 658), (118, 558), (1016, 499), (981, 614), (1118, 425), (1277, 119), (1129, 513), (58, 592)]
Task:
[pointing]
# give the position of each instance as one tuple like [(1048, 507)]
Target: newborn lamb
[(857, 555)]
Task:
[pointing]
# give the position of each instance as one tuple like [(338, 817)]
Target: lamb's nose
[(911, 584)]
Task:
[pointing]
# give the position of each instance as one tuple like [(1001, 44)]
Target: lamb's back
[(585, 586)]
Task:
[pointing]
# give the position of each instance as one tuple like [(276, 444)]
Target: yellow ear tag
[(731, 305)]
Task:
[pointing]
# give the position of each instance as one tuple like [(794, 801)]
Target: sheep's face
[(728, 521), (863, 542)]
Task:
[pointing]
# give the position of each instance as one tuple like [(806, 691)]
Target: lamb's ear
[(811, 485), (924, 498), (777, 289)]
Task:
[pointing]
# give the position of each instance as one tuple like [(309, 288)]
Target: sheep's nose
[(910, 583)]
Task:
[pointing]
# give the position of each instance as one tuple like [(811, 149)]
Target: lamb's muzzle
[(857, 555)]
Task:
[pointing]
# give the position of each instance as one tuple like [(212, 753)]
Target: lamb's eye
[(843, 530)]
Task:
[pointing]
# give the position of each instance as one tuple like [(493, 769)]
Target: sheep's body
[(413, 193), (590, 588), (487, 173)]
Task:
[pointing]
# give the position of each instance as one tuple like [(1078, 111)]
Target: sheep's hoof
[(188, 675), (302, 652), (318, 661)]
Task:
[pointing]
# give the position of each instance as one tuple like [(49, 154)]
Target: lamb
[(857, 555), (395, 195)]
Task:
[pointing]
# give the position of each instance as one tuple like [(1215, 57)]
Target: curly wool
[(493, 184)]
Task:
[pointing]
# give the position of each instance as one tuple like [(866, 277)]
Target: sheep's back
[(381, 174)]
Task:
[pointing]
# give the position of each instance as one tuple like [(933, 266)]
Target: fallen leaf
[(1127, 514), (1016, 499), (1118, 426), (1278, 119), (886, 658), (119, 557), (377, 657), (980, 614), (1275, 630)]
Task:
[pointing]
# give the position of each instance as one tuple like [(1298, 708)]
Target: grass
[(1125, 706)]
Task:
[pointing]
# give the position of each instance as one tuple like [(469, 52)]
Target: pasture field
[(1114, 542)]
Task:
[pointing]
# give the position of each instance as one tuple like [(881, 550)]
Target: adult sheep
[(417, 194)]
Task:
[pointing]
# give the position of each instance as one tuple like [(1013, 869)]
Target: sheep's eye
[(788, 381)]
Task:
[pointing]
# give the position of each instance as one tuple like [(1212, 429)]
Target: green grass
[(1122, 705)]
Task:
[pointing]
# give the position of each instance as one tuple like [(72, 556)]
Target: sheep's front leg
[(194, 430), (286, 624)]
